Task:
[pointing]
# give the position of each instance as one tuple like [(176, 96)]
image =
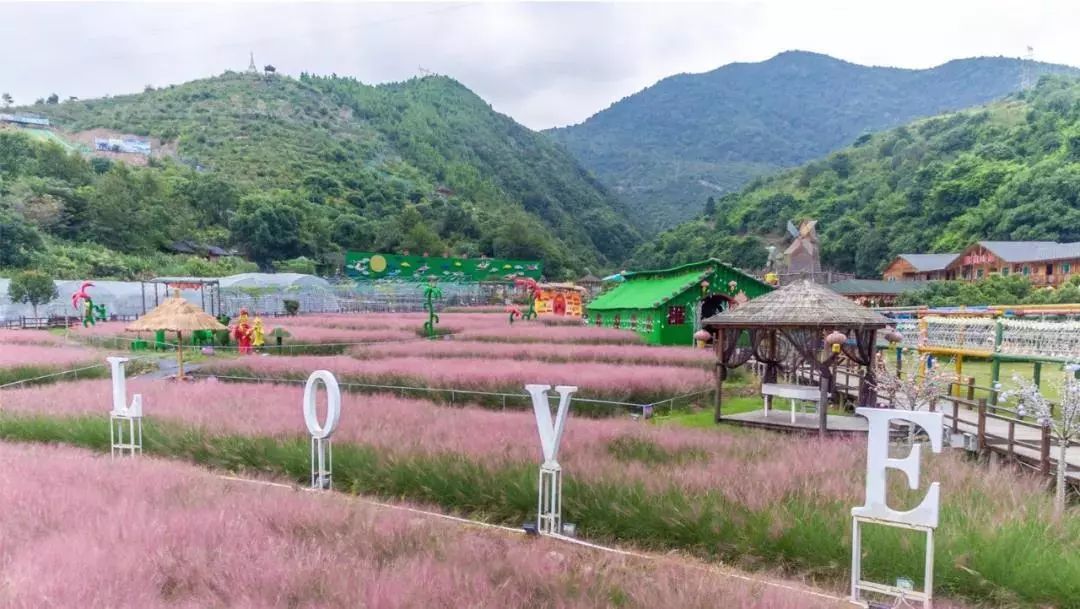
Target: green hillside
[(667, 148), (282, 168), (1009, 170)]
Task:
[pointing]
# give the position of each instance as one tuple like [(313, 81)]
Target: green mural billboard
[(372, 266)]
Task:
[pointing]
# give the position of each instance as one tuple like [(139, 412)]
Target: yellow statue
[(257, 335)]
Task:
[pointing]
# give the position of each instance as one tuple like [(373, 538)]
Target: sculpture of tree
[(917, 385), (1065, 426), (431, 292)]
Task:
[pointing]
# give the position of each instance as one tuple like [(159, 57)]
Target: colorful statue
[(515, 313), (533, 290), (431, 292), (258, 337), (242, 332), (91, 313)]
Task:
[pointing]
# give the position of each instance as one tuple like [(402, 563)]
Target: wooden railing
[(975, 410)]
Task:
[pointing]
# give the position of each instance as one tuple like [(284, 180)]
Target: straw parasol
[(176, 315)]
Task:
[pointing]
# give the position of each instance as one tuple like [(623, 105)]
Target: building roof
[(859, 287), (648, 292), (925, 263), (650, 289), (1032, 251), (802, 304)]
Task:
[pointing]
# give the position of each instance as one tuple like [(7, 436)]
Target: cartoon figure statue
[(431, 292), (242, 333), (533, 290), (258, 336), (515, 313), (91, 313)]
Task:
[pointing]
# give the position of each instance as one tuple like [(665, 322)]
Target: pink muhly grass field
[(622, 354), (480, 326), (756, 469), (40, 356), (608, 381), (29, 337), (85, 531), (314, 334)]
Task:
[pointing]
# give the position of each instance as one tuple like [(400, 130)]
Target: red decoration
[(676, 316)]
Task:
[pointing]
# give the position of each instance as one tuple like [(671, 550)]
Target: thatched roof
[(176, 315), (800, 304)]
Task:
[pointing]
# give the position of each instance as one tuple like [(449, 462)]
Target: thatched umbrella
[(176, 315)]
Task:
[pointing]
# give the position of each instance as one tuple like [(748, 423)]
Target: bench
[(801, 393)]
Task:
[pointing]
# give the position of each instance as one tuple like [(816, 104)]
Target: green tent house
[(666, 306)]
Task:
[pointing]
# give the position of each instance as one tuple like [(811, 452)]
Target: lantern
[(894, 337), (732, 286), (834, 340), (704, 287), (702, 337)]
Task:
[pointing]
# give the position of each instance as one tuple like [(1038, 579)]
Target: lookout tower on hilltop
[(251, 64)]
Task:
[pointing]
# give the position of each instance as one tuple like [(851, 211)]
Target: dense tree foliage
[(667, 148), (1001, 172), (282, 168), (995, 290), (33, 288)]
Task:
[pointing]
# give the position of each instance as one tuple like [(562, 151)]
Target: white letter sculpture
[(123, 415), (549, 509), (924, 517), (322, 454)]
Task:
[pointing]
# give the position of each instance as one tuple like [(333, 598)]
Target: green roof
[(852, 287), (648, 292)]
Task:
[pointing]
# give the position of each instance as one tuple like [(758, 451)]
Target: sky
[(544, 64)]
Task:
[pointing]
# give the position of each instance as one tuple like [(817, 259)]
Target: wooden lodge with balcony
[(1044, 263)]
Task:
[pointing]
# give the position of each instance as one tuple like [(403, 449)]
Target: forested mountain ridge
[(1006, 171), (669, 147), (284, 168)]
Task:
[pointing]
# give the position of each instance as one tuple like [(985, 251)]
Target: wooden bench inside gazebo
[(799, 325)]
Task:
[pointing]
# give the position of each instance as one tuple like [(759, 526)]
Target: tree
[(18, 241), (53, 99), (710, 207), (6, 97), (1065, 426), (33, 288), (268, 228), (915, 386)]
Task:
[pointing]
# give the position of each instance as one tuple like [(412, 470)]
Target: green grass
[(1051, 376), (25, 373), (1022, 562)]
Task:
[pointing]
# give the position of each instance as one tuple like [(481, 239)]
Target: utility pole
[(1027, 76), (251, 65)]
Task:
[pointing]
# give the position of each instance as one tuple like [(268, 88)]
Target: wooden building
[(1041, 262), (1044, 263), (919, 267), (666, 306)]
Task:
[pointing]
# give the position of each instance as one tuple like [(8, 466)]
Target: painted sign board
[(372, 266)]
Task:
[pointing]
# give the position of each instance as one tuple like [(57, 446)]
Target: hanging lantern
[(704, 287), (835, 339), (894, 337), (732, 286), (702, 337)]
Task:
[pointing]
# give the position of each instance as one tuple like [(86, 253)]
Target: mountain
[(284, 168), (669, 147), (1009, 170)]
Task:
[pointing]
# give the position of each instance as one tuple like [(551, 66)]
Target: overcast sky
[(545, 64)]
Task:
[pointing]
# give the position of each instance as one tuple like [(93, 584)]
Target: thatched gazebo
[(176, 315), (801, 323)]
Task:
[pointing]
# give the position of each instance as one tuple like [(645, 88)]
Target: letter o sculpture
[(333, 404)]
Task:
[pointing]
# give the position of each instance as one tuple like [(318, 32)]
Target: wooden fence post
[(1044, 452), (982, 425), (971, 388), (955, 417)]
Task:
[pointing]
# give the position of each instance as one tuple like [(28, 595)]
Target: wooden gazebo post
[(718, 345)]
